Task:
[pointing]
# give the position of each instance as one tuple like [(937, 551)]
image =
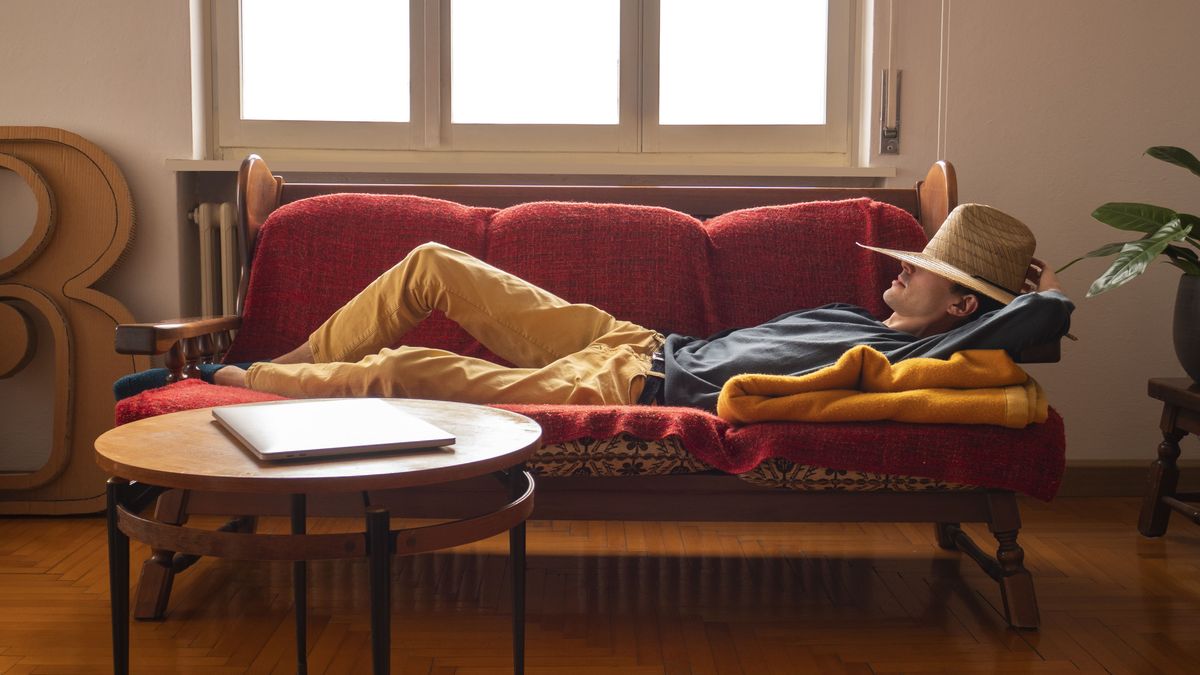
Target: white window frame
[(831, 137), (620, 137), (637, 136), (233, 131)]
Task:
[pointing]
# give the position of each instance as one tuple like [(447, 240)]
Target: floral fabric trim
[(623, 455), (786, 474), (626, 455)]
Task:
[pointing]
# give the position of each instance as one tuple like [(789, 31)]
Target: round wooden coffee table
[(190, 451)]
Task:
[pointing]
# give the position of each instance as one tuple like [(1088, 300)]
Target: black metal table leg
[(118, 577), (379, 552), (516, 552), (300, 587)]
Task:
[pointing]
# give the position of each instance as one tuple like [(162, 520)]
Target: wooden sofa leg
[(158, 572), (1008, 567), (1016, 582), (945, 533)]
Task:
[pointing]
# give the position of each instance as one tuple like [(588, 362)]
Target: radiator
[(220, 257)]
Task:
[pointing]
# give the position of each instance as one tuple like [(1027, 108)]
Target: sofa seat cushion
[(185, 395), (701, 433), (1029, 460)]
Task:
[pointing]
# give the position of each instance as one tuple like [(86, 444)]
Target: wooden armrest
[(1047, 352), (159, 338)]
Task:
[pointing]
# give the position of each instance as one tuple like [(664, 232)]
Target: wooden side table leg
[(1162, 482), (118, 577), (379, 551), (516, 554), (300, 587)]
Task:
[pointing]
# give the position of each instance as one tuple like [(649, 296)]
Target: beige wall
[(1048, 106), (1048, 109), (118, 74), (1088, 86)]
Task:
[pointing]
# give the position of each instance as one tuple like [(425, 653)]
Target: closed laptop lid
[(327, 427)]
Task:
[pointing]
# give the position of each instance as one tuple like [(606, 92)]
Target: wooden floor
[(642, 598)]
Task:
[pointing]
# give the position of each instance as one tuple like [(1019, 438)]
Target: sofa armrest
[(186, 342)]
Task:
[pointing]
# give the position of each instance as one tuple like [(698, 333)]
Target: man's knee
[(430, 249), (431, 254)]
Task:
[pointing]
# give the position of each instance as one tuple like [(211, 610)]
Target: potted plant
[(1164, 232)]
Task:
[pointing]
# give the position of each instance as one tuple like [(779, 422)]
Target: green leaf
[(1102, 252), (1136, 256), (1183, 252), (1184, 258), (1134, 217), (1176, 156)]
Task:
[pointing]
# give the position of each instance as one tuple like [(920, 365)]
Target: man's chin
[(888, 297)]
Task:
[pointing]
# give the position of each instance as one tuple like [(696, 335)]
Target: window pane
[(535, 61), (319, 60), (744, 62)]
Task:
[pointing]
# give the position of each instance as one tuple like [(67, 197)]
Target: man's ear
[(963, 307)]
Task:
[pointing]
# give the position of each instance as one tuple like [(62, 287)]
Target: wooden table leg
[(118, 577), (379, 552), (516, 554), (300, 587), (1162, 482)]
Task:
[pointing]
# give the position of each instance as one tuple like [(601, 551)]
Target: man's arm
[(1040, 277)]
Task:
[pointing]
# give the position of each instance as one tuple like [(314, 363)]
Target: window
[(640, 78), (296, 63)]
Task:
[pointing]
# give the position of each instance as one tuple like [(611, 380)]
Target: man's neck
[(918, 326)]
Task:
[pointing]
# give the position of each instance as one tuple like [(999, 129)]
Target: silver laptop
[(327, 428)]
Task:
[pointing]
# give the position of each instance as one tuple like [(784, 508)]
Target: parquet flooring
[(641, 598)]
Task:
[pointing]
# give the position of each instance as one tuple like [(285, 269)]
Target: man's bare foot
[(230, 376), (301, 354)]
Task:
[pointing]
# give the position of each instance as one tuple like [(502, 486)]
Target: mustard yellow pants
[(563, 352)]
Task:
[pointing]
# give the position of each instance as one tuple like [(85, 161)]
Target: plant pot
[(1187, 325)]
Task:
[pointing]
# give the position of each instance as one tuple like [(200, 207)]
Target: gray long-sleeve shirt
[(806, 340)]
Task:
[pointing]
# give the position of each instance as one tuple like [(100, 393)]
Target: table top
[(191, 450)]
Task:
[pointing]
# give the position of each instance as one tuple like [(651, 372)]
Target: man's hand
[(1040, 277)]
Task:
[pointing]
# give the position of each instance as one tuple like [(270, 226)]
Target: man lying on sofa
[(963, 291)]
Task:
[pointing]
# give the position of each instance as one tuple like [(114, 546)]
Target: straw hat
[(979, 247)]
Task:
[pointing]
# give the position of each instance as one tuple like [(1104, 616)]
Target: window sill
[(560, 164)]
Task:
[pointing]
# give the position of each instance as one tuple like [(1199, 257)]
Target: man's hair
[(986, 304)]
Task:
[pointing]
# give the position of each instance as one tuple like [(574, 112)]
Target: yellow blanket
[(981, 386)]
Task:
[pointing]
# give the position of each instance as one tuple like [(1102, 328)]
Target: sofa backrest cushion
[(642, 264), (654, 266), (775, 259), (315, 254)]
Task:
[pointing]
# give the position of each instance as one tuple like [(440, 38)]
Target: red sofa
[(666, 269)]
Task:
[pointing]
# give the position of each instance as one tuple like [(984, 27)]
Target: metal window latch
[(889, 137)]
